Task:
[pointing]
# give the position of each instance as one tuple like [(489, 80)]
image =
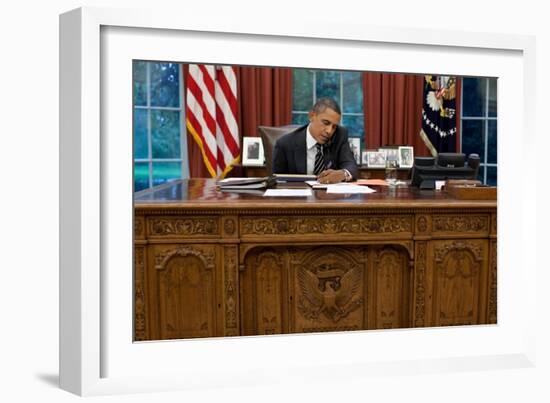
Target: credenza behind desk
[(212, 263)]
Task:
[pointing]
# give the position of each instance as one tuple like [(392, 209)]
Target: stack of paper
[(288, 192), (342, 187), (347, 188)]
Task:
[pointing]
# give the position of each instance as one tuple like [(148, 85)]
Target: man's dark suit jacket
[(290, 154)]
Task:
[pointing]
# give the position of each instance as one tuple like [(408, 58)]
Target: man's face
[(323, 125)]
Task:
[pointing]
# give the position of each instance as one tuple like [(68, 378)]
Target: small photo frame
[(253, 151), (355, 146), (376, 159), (406, 157), (364, 158), (392, 153)]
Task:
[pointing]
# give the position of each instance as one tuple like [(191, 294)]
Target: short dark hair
[(326, 103)]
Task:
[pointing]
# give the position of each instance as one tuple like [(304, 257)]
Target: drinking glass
[(391, 173)]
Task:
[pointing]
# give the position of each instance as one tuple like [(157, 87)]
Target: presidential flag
[(211, 115), (439, 114)]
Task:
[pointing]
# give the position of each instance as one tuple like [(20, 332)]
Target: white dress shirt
[(311, 150)]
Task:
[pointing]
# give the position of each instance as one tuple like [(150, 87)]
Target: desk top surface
[(203, 193)]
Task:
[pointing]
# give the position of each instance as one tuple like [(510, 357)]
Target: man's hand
[(331, 176)]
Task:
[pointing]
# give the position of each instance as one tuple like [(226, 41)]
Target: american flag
[(211, 114)]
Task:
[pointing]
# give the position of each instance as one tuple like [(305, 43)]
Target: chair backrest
[(269, 135)]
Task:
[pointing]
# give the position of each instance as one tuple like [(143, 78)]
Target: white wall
[(29, 197)]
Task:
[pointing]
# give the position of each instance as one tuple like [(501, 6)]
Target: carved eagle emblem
[(331, 293)]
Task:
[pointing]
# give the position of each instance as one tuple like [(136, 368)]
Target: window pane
[(163, 171), (492, 176), (141, 150), (492, 142), (328, 85), (300, 118), (165, 134), (492, 97), (472, 138), (165, 84), (302, 96), (353, 93), (140, 83), (474, 93), (354, 124), (141, 176)]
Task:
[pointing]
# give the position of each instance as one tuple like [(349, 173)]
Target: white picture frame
[(97, 355), (376, 158), (391, 153), (253, 152), (355, 147), (406, 156), (364, 158)]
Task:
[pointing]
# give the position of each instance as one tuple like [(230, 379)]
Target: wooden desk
[(211, 263)]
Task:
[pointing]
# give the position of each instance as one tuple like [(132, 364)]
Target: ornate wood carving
[(390, 287), (324, 225), (269, 282), (139, 227), (329, 288), (162, 258), (174, 226), (492, 309), (186, 297), (231, 291), (461, 223), (458, 248), (229, 226), (140, 324), (458, 266), (420, 285), (422, 225)]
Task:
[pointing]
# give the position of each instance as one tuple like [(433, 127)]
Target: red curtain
[(393, 110), (264, 95), (265, 98)]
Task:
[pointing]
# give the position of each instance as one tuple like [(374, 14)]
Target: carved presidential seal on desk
[(330, 289)]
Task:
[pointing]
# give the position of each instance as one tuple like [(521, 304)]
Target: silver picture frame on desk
[(252, 152)]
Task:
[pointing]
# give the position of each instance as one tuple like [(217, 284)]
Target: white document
[(313, 183), (439, 184), (287, 192), (345, 188), (319, 185)]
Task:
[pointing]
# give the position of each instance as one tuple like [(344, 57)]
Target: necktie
[(319, 160)]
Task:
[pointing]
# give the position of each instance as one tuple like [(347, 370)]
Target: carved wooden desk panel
[(211, 263)]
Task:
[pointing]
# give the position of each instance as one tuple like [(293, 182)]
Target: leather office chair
[(269, 135)]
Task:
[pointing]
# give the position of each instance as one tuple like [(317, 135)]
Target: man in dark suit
[(320, 147)]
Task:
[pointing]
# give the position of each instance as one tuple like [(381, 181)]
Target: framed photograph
[(98, 354), (391, 153), (376, 159), (406, 157), (355, 146), (253, 151), (364, 158)]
